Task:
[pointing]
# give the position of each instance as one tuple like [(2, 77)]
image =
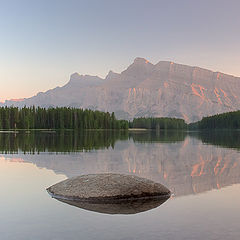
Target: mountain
[(165, 89)]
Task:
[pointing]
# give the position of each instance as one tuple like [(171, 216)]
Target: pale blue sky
[(43, 42)]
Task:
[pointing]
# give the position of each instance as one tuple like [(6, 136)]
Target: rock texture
[(107, 187), (165, 89)]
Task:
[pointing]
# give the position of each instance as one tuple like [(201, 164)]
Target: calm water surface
[(201, 169)]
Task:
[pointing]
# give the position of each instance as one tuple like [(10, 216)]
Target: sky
[(43, 42)]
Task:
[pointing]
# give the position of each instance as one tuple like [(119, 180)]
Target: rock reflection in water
[(120, 207)]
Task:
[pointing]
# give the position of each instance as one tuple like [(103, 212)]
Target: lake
[(202, 169)]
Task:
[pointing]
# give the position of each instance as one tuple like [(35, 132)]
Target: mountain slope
[(165, 89)]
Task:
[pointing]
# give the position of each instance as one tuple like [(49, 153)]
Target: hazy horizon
[(43, 43)]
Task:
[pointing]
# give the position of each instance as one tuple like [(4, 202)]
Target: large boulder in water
[(107, 187)]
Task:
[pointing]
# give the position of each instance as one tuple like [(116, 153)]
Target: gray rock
[(107, 187)]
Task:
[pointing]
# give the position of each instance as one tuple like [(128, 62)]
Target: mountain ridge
[(164, 89)]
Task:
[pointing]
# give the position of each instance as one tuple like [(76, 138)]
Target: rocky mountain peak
[(139, 68), (141, 61), (111, 75), (74, 75), (165, 89)]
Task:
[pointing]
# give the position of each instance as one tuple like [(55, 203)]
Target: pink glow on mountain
[(166, 84), (185, 117), (226, 96), (195, 92), (236, 164), (216, 91)]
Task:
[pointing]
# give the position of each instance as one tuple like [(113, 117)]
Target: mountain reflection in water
[(185, 163)]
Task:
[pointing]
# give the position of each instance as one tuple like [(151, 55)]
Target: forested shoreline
[(79, 119), (229, 120), (57, 118)]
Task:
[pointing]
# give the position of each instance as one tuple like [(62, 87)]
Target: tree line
[(57, 118), (158, 123), (229, 120), (80, 119)]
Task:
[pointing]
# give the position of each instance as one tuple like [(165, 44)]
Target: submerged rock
[(107, 188), (119, 206)]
